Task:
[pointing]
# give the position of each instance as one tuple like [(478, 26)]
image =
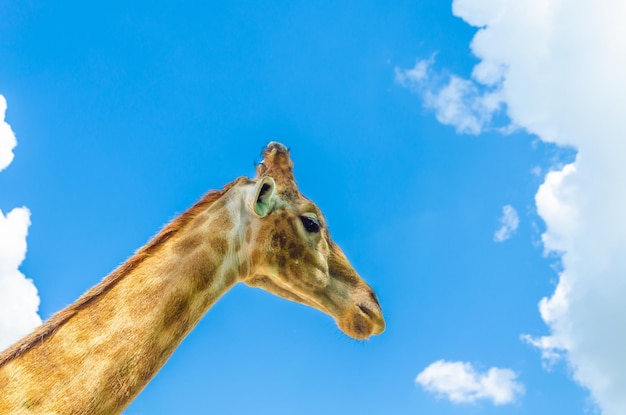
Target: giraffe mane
[(57, 320)]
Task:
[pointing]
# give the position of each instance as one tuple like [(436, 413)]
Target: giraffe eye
[(310, 224)]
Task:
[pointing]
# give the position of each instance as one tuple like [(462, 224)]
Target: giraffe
[(96, 355)]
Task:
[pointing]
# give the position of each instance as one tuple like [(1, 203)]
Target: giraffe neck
[(105, 353)]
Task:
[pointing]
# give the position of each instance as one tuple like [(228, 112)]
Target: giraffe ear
[(264, 196)]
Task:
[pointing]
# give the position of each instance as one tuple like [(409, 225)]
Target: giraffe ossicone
[(96, 355)]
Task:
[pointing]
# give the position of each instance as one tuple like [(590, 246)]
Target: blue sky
[(413, 125)]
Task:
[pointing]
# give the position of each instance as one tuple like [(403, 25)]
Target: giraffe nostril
[(366, 311)]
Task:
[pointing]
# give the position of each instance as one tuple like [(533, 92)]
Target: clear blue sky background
[(127, 113)]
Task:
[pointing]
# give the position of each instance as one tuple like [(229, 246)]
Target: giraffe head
[(293, 256)]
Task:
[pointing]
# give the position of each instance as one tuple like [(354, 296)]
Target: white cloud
[(508, 224), (18, 296), (7, 138), (19, 301), (559, 68), (461, 383)]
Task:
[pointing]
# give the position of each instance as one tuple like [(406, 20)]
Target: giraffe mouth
[(362, 321)]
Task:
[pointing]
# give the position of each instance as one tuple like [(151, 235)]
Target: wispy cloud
[(459, 382), (458, 102), (558, 67), (19, 300), (509, 221)]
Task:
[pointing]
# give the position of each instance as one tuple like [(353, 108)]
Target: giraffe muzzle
[(363, 320)]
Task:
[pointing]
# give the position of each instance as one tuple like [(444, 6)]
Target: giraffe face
[(293, 256)]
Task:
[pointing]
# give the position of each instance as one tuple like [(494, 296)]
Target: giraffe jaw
[(357, 319)]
